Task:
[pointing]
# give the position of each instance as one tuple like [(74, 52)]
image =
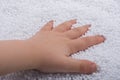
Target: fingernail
[(75, 20), (102, 37), (51, 20), (89, 25)]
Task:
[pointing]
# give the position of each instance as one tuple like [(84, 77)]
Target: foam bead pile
[(21, 19)]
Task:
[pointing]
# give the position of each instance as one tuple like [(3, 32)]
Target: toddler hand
[(51, 48)]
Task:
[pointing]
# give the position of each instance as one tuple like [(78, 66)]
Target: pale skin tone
[(49, 50)]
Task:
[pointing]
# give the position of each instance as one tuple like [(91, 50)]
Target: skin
[(38, 52)]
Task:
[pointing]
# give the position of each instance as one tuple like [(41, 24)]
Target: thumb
[(79, 66)]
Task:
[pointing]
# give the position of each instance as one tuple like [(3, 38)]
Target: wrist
[(26, 54), (34, 54), (15, 56)]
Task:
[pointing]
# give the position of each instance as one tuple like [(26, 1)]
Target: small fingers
[(77, 32), (84, 43), (48, 26), (65, 26)]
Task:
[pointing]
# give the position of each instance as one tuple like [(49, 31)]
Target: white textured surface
[(20, 19)]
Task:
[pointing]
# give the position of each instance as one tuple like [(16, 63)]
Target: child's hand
[(51, 48)]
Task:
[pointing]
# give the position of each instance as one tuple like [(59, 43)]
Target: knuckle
[(86, 40), (96, 39), (84, 67), (71, 49), (76, 30), (67, 24), (81, 68)]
